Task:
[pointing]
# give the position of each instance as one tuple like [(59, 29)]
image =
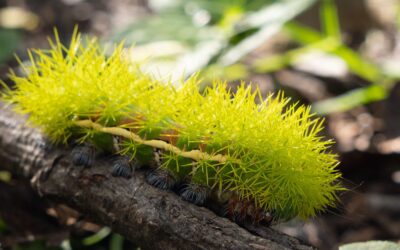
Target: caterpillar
[(261, 157)]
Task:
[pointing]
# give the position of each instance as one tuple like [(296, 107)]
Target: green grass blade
[(278, 11), (351, 99), (268, 21), (354, 61), (117, 242), (174, 26), (358, 65), (329, 19), (277, 62), (5, 176), (97, 237), (301, 33)]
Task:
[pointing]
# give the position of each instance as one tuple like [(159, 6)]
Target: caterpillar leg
[(218, 208), (161, 179), (243, 212), (83, 155), (264, 217), (237, 211), (123, 167), (195, 193)]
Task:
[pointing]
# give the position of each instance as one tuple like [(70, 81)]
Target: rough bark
[(151, 218)]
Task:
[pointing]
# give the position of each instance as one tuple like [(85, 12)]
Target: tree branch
[(151, 218)]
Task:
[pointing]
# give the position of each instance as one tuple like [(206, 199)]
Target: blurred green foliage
[(9, 42), (97, 237), (35, 245), (213, 32), (3, 226), (5, 176), (371, 245), (103, 239), (218, 34)]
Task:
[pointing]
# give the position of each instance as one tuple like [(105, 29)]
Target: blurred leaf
[(215, 8), (356, 64), (97, 237), (201, 56), (35, 245), (18, 18), (66, 245), (229, 18), (371, 245), (172, 26), (3, 226), (234, 54), (390, 69), (207, 44), (167, 50), (200, 44), (5, 176), (272, 63), (117, 242), (278, 11), (230, 73), (277, 62), (301, 33), (269, 21), (330, 20), (351, 99), (9, 42)]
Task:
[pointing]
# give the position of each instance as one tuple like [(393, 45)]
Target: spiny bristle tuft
[(195, 193), (161, 179), (83, 155), (122, 167)]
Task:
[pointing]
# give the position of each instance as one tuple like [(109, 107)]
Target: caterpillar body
[(264, 160)]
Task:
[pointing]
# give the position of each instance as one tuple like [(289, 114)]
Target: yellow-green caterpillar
[(267, 158)]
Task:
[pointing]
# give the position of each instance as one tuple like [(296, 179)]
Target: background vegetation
[(342, 57)]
